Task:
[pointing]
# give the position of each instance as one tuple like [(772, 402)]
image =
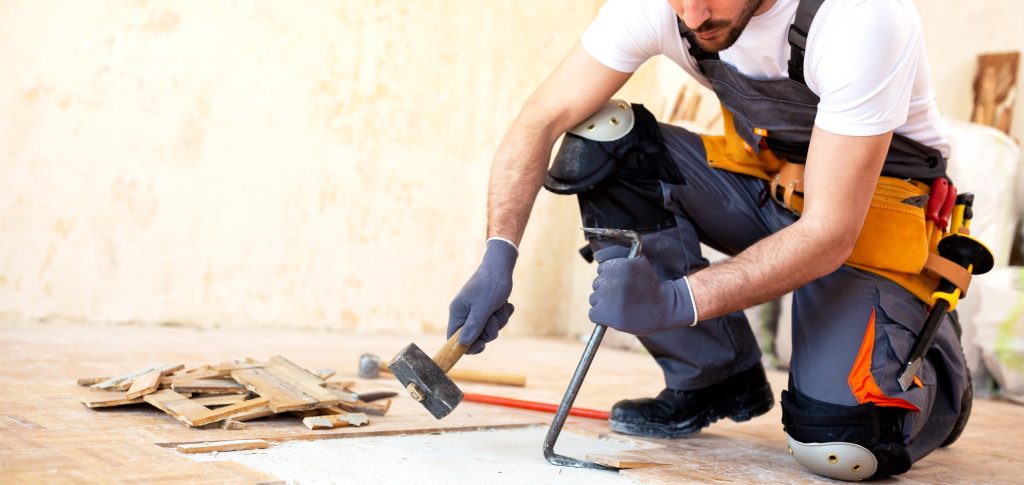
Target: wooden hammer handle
[(450, 352), (487, 377), (482, 376)]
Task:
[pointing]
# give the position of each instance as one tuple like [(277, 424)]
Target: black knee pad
[(829, 439), (617, 181)]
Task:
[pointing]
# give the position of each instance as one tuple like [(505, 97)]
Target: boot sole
[(738, 409)]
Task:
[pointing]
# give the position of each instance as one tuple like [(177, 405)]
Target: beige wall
[(315, 164), (301, 164), (956, 32)]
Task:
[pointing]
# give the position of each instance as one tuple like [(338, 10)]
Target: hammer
[(427, 380)]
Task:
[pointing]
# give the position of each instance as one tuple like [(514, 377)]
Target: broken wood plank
[(227, 411), (622, 461), (345, 396), (283, 396), (373, 408), (219, 400), (193, 370), (148, 383), (233, 445), (335, 421), (209, 386), (88, 381), (289, 387), (314, 412), (260, 412), (325, 373), (124, 381), (178, 407), (340, 385), (225, 368), (201, 374), (302, 379), (232, 424), (106, 399)]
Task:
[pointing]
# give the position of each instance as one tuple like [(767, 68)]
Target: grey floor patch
[(491, 457)]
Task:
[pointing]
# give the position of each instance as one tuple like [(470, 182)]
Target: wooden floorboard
[(48, 436)]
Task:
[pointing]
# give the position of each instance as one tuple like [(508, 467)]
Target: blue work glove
[(630, 297), (482, 306)]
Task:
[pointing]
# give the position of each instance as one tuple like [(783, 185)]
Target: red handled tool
[(533, 405), (947, 207), (936, 199), (941, 201)]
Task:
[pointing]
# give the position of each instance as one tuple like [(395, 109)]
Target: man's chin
[(716, 44)]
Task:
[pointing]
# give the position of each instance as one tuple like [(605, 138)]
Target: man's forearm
[(517, 175), (814, 246), (771, 268)]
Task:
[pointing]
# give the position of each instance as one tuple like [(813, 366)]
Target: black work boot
[(674, 414)]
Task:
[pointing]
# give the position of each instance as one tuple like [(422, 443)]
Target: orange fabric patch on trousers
[(863, 384)]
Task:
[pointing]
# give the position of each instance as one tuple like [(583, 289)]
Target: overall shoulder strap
[(694, 49), (798, 37)]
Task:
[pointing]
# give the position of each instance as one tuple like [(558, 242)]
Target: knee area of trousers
[(844, 442)]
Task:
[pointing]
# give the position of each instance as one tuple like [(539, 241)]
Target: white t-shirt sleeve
[(624, 35), (861, 60)]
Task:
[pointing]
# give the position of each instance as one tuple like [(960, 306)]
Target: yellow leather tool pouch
[(895, 235)]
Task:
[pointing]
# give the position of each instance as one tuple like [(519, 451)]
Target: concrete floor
[(497, 457)]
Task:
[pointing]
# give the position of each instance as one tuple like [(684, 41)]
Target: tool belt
[(896, 242)]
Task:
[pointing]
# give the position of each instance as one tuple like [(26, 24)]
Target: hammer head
[(426, 382)]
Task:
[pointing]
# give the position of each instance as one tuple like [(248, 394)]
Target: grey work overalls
[(727, 211)]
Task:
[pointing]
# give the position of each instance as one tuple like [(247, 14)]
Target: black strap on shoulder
[(694, 49), (798, 37)]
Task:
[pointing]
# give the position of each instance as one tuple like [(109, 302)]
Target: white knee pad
[(838, 460)]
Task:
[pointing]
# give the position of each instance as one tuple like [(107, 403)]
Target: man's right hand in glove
[(481, 307)]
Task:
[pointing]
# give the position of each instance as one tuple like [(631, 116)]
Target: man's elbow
[(835, 245), (541, 120), (839, 251)]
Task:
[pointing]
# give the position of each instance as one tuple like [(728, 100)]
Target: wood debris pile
[(231, 393)]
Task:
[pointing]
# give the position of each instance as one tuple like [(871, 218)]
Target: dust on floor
[(491, 457)]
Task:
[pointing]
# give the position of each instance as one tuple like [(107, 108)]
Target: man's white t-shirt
[(865, 59)]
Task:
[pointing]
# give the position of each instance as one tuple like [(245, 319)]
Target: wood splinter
[(336, 421), (234, 445), (147, 384), (232, 424), (88, 381)]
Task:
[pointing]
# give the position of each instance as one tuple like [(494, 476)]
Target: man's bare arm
[(840, 178), (576, 89)]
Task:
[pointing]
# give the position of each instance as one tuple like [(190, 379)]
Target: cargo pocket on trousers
[(904, 315)]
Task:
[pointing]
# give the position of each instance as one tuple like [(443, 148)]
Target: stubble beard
[(734, 31)]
